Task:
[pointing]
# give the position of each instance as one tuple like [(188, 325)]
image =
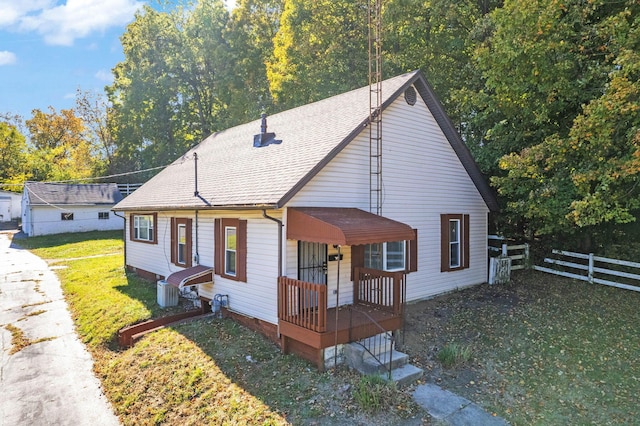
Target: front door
[(312, 268), (312, 262)]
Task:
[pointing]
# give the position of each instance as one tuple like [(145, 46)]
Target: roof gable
[(41, 193), (233, 173)]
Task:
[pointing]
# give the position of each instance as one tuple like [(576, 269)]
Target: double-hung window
[(389, 256), (454, 229), (454, 243), (231, 249), (181, 243), (142, 228)]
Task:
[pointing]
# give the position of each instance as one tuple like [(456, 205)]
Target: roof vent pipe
[(263, 125), (263, 138)]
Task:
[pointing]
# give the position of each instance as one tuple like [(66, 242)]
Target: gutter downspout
[(124, 237), (279, 222), (197, 254)]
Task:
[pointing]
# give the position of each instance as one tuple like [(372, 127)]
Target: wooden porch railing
[(379, 289), (303, 304)]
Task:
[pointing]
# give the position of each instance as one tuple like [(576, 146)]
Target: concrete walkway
[(450, 409), (50, 380)]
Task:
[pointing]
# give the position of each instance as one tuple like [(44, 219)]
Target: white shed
[(54, 208), (9, 206)]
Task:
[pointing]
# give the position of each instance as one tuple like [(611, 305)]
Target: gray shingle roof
[(234, 173), (41, 193)]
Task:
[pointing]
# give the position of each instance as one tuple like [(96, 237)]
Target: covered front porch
[(314, 316)]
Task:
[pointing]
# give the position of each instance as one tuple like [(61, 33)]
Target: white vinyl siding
[(422, 179), (257, 297)]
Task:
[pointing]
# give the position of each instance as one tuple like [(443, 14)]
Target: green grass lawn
[(545, 349), (541, 350), (207, 371)]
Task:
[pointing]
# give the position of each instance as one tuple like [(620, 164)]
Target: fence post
[(590, 268), (504, 250), (527, 263)]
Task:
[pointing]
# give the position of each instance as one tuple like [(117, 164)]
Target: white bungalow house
[(9, 206), (54, 208), (292, 216)]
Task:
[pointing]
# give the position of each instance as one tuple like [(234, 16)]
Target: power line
[(92, 178)]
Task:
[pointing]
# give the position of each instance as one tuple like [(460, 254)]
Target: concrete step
[(376, 344), (405, 375), (370, 365)]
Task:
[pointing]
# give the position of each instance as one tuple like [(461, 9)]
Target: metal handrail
[(378, 337)]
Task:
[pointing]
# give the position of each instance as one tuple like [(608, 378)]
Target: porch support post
[(335, 348)]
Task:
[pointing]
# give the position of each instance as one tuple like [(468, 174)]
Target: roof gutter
[(186, 208)]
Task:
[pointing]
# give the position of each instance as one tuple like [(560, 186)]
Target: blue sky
[(51, 48)]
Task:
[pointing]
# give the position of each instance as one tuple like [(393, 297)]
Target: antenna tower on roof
[(374, 20)]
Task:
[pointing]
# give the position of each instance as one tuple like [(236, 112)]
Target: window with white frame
[(230, 246), (454, 243), (455, 247), (143, 228), (103, 215), (182, 243), (389, 256)]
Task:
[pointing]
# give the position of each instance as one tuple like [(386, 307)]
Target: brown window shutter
[(444, 243), (155, 228), (357, 259), (218, 261), (131, 231), (189, 244), (412, 253), (174, 241), (465, 241), (241, 251)]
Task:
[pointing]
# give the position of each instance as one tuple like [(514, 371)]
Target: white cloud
[(12, 11), (7, 58), (104, 76), (61, 24)]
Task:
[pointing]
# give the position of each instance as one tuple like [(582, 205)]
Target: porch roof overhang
[(343, 226), (198, 274)]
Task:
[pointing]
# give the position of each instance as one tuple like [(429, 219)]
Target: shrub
[(452, 355), (372, 393)]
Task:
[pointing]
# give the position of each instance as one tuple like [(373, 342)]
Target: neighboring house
[(9, 206), (54, 208), (280, 216)]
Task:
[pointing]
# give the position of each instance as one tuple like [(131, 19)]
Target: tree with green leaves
[(439, 37), (95, 112), (320, 50), (171, 89), (570, 113), (13, 148), (59, 149), (250, 34)]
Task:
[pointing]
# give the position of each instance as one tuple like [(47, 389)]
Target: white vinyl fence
[(585, 269), (518, 253), (511, 258)]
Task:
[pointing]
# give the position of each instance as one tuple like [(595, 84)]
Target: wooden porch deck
[(307, 326), (352, 325)]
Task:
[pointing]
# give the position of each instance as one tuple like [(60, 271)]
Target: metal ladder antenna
[(374, 12)]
